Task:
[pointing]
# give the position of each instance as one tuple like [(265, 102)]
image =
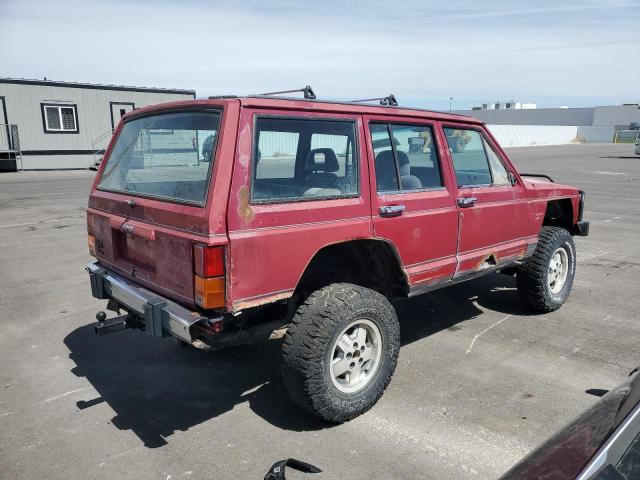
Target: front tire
[(340, 351), (545, 279)]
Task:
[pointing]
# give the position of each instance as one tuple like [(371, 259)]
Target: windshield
[(168, 155)]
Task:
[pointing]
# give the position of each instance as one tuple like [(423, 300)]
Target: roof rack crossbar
[(307, 91), (388, 101)]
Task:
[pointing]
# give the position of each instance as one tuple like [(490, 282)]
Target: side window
[(417, 157), (410, 162), (298, 159), (500, 175), (469, 157)]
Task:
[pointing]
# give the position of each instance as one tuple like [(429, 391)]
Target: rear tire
[(340, 351), (545, 279)]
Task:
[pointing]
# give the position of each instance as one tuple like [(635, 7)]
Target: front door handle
[(466, 202), (391, 210)]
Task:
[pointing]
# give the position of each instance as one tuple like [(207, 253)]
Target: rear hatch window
[(167, 156)]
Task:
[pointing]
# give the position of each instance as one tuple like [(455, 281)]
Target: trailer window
[(168, 156), (59, 118)]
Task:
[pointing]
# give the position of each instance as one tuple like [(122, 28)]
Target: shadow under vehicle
[(158, 388)]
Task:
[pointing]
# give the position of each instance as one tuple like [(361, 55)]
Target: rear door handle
[(466, 202), (391, 210)]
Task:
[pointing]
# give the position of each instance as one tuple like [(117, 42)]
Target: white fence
[(596, 133), (526, 135)]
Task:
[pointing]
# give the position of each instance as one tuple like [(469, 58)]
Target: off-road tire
[(308, 345), (532, 276)]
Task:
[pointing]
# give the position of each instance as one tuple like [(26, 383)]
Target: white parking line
[(473, 342), (64, 394)]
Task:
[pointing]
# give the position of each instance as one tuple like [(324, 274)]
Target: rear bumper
[(161, 317)]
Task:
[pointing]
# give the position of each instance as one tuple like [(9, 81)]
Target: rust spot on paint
[(244, 304), (489, 261), (245, 139), (244, 207)]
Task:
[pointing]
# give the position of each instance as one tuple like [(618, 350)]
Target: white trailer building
[(61, 125)]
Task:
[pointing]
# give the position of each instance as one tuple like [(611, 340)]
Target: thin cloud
[(578, 53), (539, 10)]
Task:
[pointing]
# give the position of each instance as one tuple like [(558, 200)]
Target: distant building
[(505, 106), (49, 125), (614, 116), (556, 126)]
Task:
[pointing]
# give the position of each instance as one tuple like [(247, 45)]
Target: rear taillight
[(91, 240), (209, 278), (208, 261)]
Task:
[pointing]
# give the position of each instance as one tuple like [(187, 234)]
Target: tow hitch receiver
[(115, 324)]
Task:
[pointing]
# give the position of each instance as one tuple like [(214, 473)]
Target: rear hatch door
[(151, 200)]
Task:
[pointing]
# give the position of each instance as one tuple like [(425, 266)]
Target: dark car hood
[(567, 453)]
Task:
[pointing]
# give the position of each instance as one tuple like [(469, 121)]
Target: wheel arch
[(368, 262), (559, 213)]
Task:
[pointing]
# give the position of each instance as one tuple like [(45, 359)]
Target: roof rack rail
[(307, 91), (389, 101)]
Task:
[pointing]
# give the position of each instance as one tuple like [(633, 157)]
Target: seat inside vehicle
[(320, 179), (321, 165), (386, 175), (386, 172), (407, 180), (189, 191)]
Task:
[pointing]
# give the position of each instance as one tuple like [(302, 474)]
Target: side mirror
[(512, 179)]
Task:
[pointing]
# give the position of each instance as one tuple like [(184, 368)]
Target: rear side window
[(405, 157), (168, 156), (299, 159)]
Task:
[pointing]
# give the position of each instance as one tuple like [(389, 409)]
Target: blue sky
[(553, 53)]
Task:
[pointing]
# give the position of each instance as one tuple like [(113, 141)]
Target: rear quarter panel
[(271, 244)]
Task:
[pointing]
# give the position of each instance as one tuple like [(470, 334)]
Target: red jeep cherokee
[(228, 220)]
